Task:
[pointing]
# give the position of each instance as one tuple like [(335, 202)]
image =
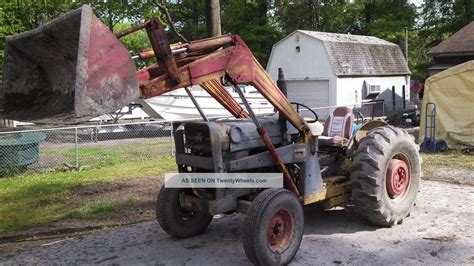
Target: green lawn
[(98, 154), (35, 199)]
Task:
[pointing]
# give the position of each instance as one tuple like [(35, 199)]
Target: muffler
[(67, 71)]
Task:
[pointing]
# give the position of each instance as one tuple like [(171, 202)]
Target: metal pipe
[(198, 107), (76, 148), (172, 137), (281, 84), (394, 100), (206, 44), (403, 97), (132, 29), (268, 142), (211, 43), (180, 50)]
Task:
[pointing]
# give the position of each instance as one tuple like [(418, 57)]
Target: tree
[(20, 16), (436, 21), (169, 20), (114, 12), (189, 18), (253, 21), (389, 19), (320, 15)]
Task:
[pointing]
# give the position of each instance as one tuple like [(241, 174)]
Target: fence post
[(76, 148), (394, 106), (171, 138)]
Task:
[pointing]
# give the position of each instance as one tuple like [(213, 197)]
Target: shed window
[(372, 90)]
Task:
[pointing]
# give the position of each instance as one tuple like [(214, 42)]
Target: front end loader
[(74, 68)]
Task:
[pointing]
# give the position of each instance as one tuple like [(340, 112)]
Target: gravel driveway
[(439, 231)]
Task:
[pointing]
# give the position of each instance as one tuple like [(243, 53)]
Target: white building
[(327, 69)]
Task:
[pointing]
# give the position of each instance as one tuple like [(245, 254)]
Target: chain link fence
[(83, 146)]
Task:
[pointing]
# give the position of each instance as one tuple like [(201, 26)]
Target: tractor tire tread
[(368, 170)]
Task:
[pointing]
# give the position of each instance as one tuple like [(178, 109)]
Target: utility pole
[(213, 18), (406, 44)]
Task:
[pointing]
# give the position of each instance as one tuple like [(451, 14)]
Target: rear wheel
[(176, 220), (385, 176), (273, 228)]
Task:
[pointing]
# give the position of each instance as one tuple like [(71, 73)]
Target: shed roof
[(460, 43), (357, 55)]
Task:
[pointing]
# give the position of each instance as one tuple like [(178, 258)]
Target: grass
[(35, 199), (452, 159), (94, 209), (98, 154)]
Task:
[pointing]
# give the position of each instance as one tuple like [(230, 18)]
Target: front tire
[(273, 228), (175, 220), (385, 177)]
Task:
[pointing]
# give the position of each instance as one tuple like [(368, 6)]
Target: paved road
[(439, 231)]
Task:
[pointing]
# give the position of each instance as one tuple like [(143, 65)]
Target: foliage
[(437, 20), (135, 42), (19, 16), (189, 18), (330, 16), (114, 12), (251, 21)]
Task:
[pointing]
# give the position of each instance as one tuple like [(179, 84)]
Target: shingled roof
[(357, 55), (460, 43)]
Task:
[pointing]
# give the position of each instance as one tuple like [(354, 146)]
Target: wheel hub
[(280, 231), (398, 178)]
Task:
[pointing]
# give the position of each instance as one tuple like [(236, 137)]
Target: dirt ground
[(461, 176), (439, 231)]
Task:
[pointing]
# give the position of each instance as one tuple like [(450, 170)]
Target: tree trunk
[(213, 18), (110, 19), (262, 11)]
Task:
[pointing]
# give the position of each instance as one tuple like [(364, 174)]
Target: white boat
[(177, 105)]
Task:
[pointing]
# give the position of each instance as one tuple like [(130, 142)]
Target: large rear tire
[(273, 228), (385, 177), (175, 220)]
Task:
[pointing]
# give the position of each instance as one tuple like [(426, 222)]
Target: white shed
[(327, 69)]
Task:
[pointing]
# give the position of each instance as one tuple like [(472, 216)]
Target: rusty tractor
[(73, 69)]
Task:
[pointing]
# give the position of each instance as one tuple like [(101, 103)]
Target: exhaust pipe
[(67, 71)]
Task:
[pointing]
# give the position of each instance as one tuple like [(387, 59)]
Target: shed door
[(312, 93)]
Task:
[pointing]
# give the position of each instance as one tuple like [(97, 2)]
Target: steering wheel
[(309, 109)]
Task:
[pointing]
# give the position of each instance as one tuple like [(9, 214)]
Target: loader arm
[(204, 63)]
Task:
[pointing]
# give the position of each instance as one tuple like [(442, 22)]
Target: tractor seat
[(337, 128)]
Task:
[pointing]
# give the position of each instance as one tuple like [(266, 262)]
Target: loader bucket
[(67, 71)]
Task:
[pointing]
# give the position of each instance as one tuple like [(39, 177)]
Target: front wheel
[(273, 228), (174, 219)]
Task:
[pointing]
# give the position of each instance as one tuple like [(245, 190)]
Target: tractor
[(73, 69)]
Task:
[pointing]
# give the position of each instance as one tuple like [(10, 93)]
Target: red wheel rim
[(280, 231), (398, 178)]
